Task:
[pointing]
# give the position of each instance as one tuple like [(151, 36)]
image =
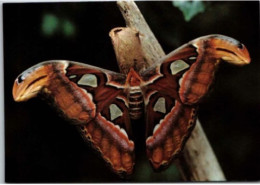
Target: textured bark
[(128, 49), (198, 162), (135, 20)]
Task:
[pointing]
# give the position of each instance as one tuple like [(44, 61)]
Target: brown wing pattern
[(109, 132), (89, 97), (178, 85), (169, 122), (113, 144), (170, 135)]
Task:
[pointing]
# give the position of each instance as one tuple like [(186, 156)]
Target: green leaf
[(189, 8)]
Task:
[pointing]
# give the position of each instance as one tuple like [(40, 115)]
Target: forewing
[(203, 56)]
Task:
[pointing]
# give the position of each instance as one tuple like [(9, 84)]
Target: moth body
[(136, 102)]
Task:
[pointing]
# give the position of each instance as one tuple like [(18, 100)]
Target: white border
[(2, 128)]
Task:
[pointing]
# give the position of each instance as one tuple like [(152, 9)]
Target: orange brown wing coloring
[(176, 87), (91, 98)]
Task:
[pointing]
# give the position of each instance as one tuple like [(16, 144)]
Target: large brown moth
[(102, 103)]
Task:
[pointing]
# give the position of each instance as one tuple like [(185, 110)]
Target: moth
[(102, 103)]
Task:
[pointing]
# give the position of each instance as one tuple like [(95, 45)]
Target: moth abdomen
[(136, 102)]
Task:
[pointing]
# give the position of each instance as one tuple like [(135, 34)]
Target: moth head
[(133, 78), (28, 84), (228, 49)]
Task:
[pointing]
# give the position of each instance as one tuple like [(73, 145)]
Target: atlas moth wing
[(169, 134), (112, 142), (110, 132), (175, 88), (91, 98), (203, 56), (162, 83), (49, 79), (104, 86), (168, 121)]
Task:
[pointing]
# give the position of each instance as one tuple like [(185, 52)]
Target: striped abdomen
[(136, 102)]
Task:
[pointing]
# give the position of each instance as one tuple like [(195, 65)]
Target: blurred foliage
[(49, 24), (189, 8), (144, 173), (68, 28), (52, 24)]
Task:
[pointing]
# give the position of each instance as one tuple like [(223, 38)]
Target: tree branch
[(198, 162), (134, 19)]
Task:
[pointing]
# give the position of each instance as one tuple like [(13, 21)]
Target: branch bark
[(198, 162), (135, 20)]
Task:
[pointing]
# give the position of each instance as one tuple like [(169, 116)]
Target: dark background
[(42, 147)]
